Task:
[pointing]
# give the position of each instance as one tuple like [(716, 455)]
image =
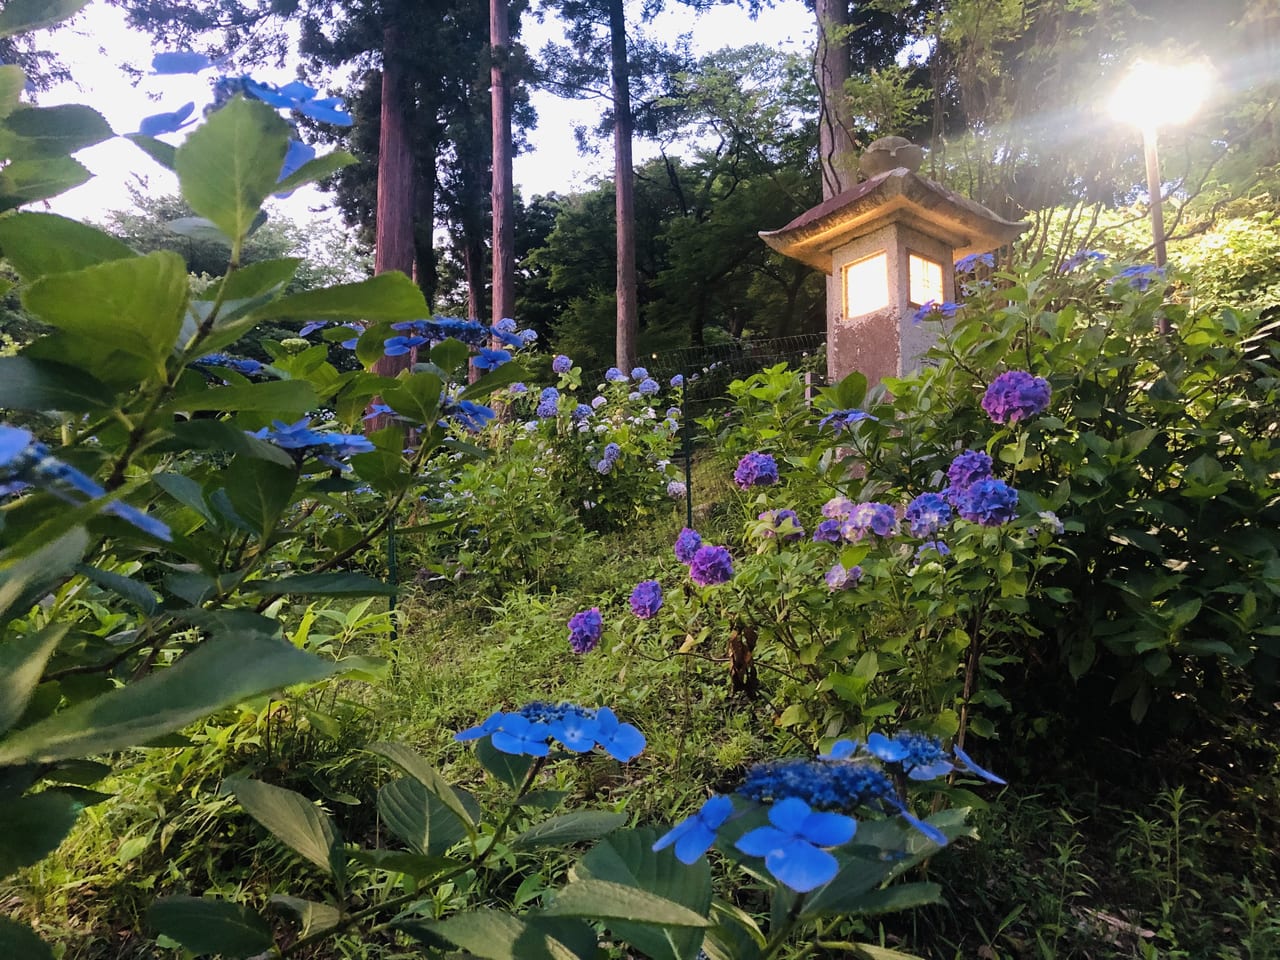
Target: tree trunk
[(837, 154), (624, 190), (393, 235), (502, 192)]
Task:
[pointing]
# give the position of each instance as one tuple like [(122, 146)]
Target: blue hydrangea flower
[(470, 415), (828, 531), (488, 359), (639, 373), (931, 546), (246, 367), (971, 263), (927, 514), (1015, 395), (622, 741), (529, 337), (677, 382), (180, 61), (304, 442), (687, 544), (378, 410), (549, 393), (756, 470), (935, 311), (170, 122), (646, 599), (840, 577), (966, 470), (547, 409), (921, 756), (878, 518), (648, 387), (614, 375), (791, 847), (842, 420), (517, 388), (989, 502), (1140, 276), (598, 402), (505, 325), (581, 412), (530, 731), (711, 566), (561, 364), (694, 835), (585, 628), (1082, 257)]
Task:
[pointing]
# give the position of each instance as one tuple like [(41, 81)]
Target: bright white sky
[(99, 41)]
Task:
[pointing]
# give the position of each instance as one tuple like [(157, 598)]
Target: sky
[(99, 41)]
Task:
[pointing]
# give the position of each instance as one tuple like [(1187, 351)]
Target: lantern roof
[(894, 196)]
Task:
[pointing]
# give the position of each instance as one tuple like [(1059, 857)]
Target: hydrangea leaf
[(43, 132), (206, 926), (19, 940), (25, 181), (295, 821), (28, 384), (281, 398), (418, 768), (36, 244), (569, 828), (259, 491), (145, 297), (388, 296), (602, 899), (312, 916), (34, 826), (322, 585), (165, 154), (496, 935), (12, 82), (419, 817), (417, 397), (316, 169), (22, 15), (228, 166), (22, 661)]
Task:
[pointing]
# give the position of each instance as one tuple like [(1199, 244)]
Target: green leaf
[(259, 491), (19, 16), (134, 591), (295, 821), (399, 861), (496, 935), (19, 942), (282, 398), (569, 828), (218, 673), (869, 951), (323, 585), (25, 181), (22, 581), (37, 244), (316, 169), (627, 858), (600, 899), (39, 385), (12, 82), (509, 768), (903, 896), (34, 825), (419, 818), (224, 436), (388, 296), (229, 164), (165, 154), (314, 917), (51, 132), (416, 397), (144, 297), (22, 660), (418, 768), (211, 926)]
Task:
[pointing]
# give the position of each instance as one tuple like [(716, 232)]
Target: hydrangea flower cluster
[(781, 523), (419, 333), (1015, 395), (561, 364), (687, 544), (844, 420), (927, 514), (838, 508), (301, 441), (840, 577), (614, 375), (933, 310), (648, 387), (531, 730), (585, 628), (487, 359), (990, 502), (827, 531), (966, 469), (646, 599), (711, 566), (470, 415), (676, 489), (608, 458), (971, 263), (677, 382), (246, 367), (24, 461), (878, 518), (1080, 258), (639, 373), (548, 403), (597, 402), (756, 470), (811, 805), (1140, 276)]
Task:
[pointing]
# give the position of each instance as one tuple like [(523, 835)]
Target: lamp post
[(1158, 95)]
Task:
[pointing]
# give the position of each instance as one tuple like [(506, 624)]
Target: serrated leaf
[(419, 818), (22, 661), (37, 244), (25, 181), (388, 296), (602, 900), (218, 673), (50, 132), (295, 821), (418, 768), (229, 164), (569, 828), (207, 926)]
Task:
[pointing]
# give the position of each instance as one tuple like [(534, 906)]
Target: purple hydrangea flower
[(1080, 258), (828, 531), (598, 402), (561, 364), (965, 470), (933, 310), (614, 375), (838, 508), (646, 599), (756, 470), (842, 420), (547, 409), (648, 387), (517, 388), (1015, 395), (677, 381), (782, 523), (687, 544), (612, 451), (879, 518), (676, 489), (927, 513), (931, 546), (585, 628), (710, 566), (1140, 276), (840, 577), (989, 502), (971, 263)]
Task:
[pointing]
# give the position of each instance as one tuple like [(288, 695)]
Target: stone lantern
[(888, 247)]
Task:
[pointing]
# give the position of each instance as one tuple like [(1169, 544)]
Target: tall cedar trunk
[(837, 155), (393, 237), (624, 189), (504, 238)]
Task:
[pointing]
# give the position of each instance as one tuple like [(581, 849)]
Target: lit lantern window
[(866, 285), (925, 279)]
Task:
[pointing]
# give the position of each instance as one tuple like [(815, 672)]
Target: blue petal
[(297, 154), (931, 771), (762, 841), (180, 61), (789, 814), (491, 723), (159, 123), (627, 744), (802, 866), (695, 842), (840, 750), (297, 90), (828, 829), (928, 829), (316, 110), (716, 811), (880, 746), (675, 833), (144, 522), (577, 733), (266, 94), (974, 768)]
